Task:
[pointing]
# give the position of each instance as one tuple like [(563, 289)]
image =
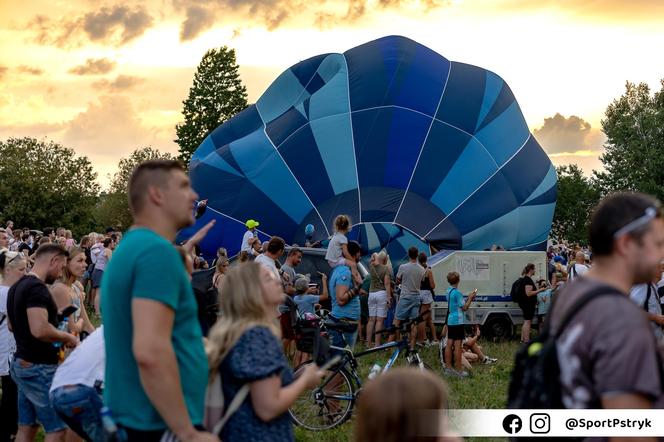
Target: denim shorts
[(408, 307), (34, 406), (79, 406)]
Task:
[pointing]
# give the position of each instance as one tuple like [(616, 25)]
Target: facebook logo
[(512, 424)]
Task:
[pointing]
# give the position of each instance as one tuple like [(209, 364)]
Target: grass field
[(487, 388)]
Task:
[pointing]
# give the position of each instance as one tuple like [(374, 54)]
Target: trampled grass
[(487, 388)]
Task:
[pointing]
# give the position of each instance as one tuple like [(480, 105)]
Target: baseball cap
[(251, 223)]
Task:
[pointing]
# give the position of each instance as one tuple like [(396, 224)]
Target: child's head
[(301, 285), (342, 223), (453, 278), (395, 406)]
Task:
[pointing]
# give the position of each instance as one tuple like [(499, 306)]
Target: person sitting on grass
[(455, 325), (472, 351)]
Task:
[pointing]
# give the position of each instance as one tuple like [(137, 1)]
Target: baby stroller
[(311, 339)]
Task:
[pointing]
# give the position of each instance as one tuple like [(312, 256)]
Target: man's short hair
[(48, 231), (353, 248), (614, 213), (294, 251), (50, 249), (413, 252), (275, 245), (149, 173), (453, 278)]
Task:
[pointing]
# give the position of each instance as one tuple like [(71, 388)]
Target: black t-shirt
[(27, 293), (24, 246), (529, 300)]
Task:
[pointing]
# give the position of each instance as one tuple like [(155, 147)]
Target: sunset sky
[(107, 77)]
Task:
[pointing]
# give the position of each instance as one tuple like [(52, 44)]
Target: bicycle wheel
[(327, 405)]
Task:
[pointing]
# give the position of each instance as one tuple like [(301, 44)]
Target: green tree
[(577, 195), (634, 152), (113, 207), (216, 95), (43, 183)]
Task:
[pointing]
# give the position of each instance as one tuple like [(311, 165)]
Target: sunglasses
[(650, 214)]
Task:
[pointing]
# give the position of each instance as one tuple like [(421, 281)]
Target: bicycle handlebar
[(404, 326)]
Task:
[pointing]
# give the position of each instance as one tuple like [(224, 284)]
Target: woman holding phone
[(455, 325), (244, 348)]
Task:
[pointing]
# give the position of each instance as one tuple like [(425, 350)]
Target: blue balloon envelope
[(416, 149)]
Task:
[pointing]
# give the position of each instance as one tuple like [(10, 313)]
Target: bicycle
[(331, 403)]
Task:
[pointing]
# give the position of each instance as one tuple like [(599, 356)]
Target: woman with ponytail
[(12, 268), (244, 348)]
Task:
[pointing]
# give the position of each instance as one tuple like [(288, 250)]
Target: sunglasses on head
[(649, 214)]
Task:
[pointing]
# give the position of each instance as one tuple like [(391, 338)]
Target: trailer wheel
[(498, 327)]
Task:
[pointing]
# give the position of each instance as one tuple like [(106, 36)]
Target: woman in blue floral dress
[(244, 346)]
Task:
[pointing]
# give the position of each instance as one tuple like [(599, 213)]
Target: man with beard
[(607, 351), (156, 367), (33, 318)]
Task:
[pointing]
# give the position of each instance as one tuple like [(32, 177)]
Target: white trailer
[(492, 274)]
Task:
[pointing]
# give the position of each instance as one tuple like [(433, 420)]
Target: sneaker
[(462, 374), (489, 361), (449, 371)]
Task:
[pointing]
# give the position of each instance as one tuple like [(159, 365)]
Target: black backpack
[(535, 379), (517, 293)]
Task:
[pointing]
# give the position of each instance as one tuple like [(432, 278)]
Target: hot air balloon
[(416, 149)]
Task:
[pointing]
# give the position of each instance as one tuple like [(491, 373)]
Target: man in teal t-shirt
[(156, 368)]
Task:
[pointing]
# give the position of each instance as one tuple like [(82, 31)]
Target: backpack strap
[(648, 293), (603, 290), (232, 407)]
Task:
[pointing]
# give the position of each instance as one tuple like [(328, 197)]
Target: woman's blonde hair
[(73, 252), (9, 260), (241, 303)]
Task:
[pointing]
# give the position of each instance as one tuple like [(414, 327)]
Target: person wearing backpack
[(647, 297), (244, 349), (597, 349), (527, 300)]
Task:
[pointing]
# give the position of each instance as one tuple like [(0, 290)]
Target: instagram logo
[(540, 423)]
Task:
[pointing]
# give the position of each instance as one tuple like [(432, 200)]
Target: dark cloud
[(273, 13), (121, 83), (116, 25), (94, 67), (198, 20), (30, 70), (129, 23), (561, 134)]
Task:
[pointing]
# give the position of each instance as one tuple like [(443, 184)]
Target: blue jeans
[(33, 382), (80, 407)]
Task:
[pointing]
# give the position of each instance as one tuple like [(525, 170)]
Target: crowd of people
[(169, 356)]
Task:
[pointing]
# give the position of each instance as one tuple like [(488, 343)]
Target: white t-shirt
[(268, 263), (577, 270), (245, 241), (7, 342), (639, 294), (334, 249), (85, 365)]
